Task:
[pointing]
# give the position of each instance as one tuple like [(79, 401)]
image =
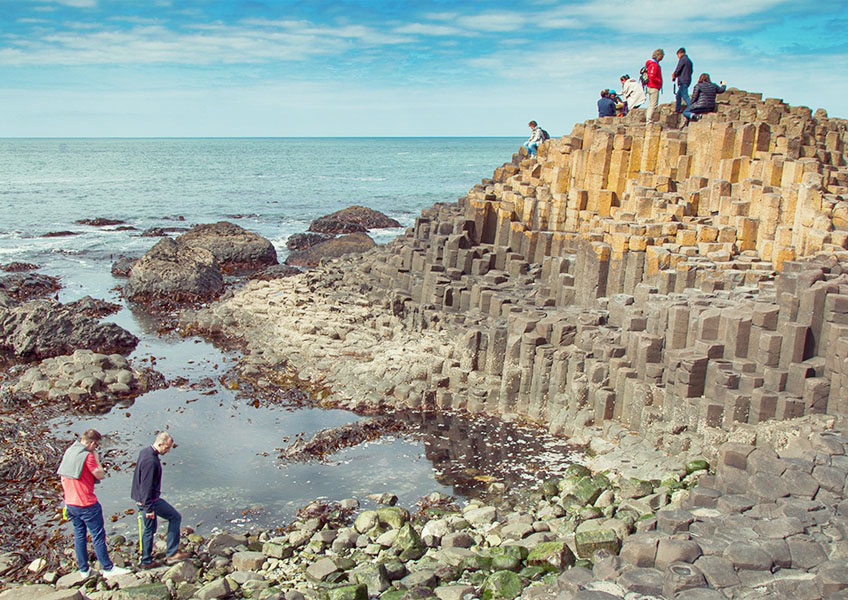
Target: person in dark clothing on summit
[(606, 105), (703, 97), (683, 75), (146, 491)]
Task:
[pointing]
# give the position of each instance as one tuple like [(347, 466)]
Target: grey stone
[(642, 581), (214, 589), (747, 556), (681, 576), (248, 561), (806, 553), (718, 571), (674, 550)]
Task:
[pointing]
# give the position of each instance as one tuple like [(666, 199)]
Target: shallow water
[(225, 472)]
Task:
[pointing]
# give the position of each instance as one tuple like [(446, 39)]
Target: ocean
[(224, 472)]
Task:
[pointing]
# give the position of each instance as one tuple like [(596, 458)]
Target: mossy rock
[(509, 558), (147, 591), (476, 578), (393, 516), (586, 490), (502, 585), (550, 489), (532, 573), (698, 464), (551, 556), (409, 544), (357, 591), (583, 562), (588, 513), (576, 471), (478, 562), (588, 541)]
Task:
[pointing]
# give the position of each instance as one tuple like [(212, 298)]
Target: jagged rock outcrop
[(332, 248), (174, 272), (44, 328), (302, 241), (22, 286), (234, 248), (352, 219)]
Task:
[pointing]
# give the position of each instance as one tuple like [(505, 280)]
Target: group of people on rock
[(81, 469), (635, 93)]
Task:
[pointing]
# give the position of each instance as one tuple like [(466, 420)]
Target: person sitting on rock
[(537, 136), (703, 98), (80, 469), (632, 92), (606, 106)]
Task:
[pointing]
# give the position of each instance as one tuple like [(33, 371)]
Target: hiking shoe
[(151, 565), (114, 572), (85, 574), (177, 557)]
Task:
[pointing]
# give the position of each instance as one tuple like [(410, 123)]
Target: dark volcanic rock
[(18, 267), (162, 231), (27, 286), (276, 272), (347, 244), (302, 241), (53, 234), (234, 248), (352, 219), (99, 222), (123, 266), (176, 273), (43, 328)]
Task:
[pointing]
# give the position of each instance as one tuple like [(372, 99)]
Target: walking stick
[(140, 550)]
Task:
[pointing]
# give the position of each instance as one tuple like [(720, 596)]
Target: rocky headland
[(671, 299)]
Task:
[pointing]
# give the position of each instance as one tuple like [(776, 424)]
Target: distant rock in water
[(333, 248), (18, 267), (99, 222), (162, 231), (276, 272), (44, 328), (352, 219), (234, 248), (53, 234), (176, 273), (123, 266), (302, 241), (28, 286)]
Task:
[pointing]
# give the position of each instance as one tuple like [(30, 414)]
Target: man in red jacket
[(654, 83)]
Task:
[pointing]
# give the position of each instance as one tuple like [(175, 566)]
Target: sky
[(138, 68)]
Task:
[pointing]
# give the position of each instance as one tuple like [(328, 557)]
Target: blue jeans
[(689, 113), (170, 514), (682, 94), (531, 147), (90, 518)]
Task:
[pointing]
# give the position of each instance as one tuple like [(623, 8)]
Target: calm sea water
[(224, 471)]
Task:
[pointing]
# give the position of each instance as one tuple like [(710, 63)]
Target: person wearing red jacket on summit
[(655, 83)]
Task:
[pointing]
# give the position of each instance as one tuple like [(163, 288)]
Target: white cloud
[(428, 29), (75, 3), (499, 22)]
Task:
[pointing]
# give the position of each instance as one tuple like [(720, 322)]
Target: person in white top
[(632, 92)]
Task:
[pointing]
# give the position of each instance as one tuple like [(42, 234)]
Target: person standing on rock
[(80, 469), (655, 83), (146, 491), (683, 75)]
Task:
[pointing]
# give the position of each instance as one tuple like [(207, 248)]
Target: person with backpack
[(683, 75), (80, 469), (703, 98), (537, 136), (651, 76), (632, 92)]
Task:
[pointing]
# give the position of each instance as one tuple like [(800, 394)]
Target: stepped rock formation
[(683, 283)]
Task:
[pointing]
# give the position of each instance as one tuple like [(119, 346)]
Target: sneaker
[(114, 572), (85, 574)]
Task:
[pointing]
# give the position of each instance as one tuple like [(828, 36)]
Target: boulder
[(123, 266), (18, 267), (302, 241), (174, 272), (28, 286), (44, 328), (352, 219), (234, 248), (333, 248), (551, 556), (349, 592), (162, 231), (99, 222), (501, 585)]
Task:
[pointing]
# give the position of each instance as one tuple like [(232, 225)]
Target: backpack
[(643, 76), (545, 135)]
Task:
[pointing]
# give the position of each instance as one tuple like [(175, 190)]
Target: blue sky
[(329, 67)]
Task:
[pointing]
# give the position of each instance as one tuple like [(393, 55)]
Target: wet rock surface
[(100, 222), (54, 234), (18, 267), (353, 243), (41, 329), (162, 231), (23, 286), (176, 273), (352, 219), (234, 248), (302, 241), (276, 272), (123, 266)]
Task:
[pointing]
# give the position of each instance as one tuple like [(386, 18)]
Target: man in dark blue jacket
[(606, 107), (683, 75), (146, 491)]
